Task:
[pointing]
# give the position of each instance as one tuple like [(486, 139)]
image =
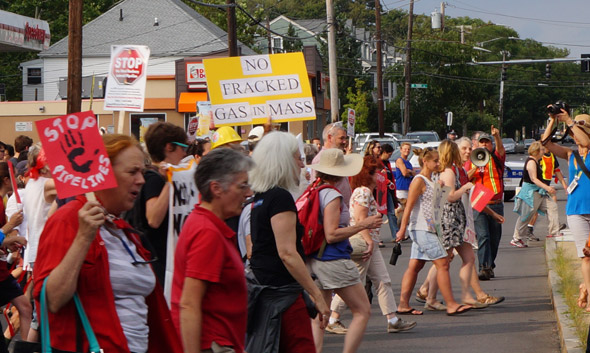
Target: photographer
[(578, 204)]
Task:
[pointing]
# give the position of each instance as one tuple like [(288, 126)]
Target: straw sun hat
[(334, 162), (583, 121)]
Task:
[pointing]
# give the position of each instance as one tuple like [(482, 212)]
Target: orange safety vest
[(547, 166), (490, 177)]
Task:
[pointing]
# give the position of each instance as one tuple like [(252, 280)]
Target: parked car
[(382, 140), (424, 136), (527, 144), (509, 145), (519, 147), (412, 158), (361, 139)]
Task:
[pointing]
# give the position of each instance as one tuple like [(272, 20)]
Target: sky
[(563, 24)]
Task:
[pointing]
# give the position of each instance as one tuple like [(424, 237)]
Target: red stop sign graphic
[(128, 66)]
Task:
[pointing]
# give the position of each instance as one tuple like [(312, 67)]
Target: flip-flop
[(459, 311), (410, 311)]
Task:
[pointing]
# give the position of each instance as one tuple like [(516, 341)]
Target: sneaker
[(491, 273), (337, 328), (562, 226), (518, 243), (530, 236), (400, 326)]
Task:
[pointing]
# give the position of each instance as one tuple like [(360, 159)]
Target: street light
[(495, 39)]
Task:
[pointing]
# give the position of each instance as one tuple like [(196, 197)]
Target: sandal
[(477, 305), (410, 311), (420, 298), (490, 300), (459, 311), (436, 306)]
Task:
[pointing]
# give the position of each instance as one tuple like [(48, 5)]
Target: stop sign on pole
[(127, 77)]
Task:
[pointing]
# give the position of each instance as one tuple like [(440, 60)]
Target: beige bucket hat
[(334, 162)]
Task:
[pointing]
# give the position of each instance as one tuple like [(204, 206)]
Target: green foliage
[(358, 99), (290, 45), (56, 13)]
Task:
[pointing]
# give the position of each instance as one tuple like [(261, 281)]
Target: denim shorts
[(426, 246)]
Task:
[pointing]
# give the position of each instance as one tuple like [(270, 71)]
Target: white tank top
[(421, 217), (36, 209)]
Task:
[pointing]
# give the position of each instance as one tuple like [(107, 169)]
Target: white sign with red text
[(351, 122), (127, 78)]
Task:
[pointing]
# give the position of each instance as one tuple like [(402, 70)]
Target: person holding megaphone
[(491, 175)]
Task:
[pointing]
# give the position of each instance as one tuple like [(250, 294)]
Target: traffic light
[(503, 74), (585, 63), (548, 71)]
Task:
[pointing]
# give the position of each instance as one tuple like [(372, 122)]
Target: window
[(33, 75), (277, 45), (141, 121)]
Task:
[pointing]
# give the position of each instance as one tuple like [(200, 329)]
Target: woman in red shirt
[(86, 248)]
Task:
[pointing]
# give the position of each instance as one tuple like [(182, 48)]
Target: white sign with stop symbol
[(126, 81)]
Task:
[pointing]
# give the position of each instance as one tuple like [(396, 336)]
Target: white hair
[(463, 139), (331, 129), (275, 163)]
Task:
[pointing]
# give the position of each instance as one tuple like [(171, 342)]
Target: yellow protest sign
[(247, 89)]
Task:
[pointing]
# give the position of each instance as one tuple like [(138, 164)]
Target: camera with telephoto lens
[(557, 107)]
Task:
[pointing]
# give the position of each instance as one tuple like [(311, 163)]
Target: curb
[(568, 340)]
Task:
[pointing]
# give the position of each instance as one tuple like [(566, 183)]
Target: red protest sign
[(13, 182), (76, 154), (480, 197)]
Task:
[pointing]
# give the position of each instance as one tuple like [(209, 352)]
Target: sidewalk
[(569, 341)]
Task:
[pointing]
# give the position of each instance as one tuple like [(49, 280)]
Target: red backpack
[(308, 213)]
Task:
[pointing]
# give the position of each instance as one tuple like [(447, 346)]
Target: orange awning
[(187, 102)]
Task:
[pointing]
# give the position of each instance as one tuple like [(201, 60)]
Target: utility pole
[(268, 33), (232, 39), (379, 68), (442, 16), (408, 70), (501, 108), (74, 104), (334, 108)]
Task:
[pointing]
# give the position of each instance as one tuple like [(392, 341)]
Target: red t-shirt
[(206, 251), (95, 291)]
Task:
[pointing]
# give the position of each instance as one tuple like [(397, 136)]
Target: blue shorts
[(426, 246), (9, 289)]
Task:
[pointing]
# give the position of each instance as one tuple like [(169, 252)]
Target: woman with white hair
[(276, 293)]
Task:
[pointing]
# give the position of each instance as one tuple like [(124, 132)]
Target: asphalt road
[(524, 322)]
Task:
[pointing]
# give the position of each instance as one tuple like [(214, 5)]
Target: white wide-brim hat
[(334, 162)]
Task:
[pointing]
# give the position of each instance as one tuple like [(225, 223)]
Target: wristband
[(2, 236)]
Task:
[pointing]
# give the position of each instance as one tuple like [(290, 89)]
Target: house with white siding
[(171, 29)]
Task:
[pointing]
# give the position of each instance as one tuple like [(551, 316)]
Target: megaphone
[(480, 157)]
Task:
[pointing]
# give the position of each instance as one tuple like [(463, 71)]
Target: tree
[(292, 45), (56, 14), (358, 99)]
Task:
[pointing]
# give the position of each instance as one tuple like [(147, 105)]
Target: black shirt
[(265, 261), (525, 173)]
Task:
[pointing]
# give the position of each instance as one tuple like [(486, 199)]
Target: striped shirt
[(131, 284)]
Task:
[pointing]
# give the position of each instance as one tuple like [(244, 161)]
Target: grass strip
[(567, 270)]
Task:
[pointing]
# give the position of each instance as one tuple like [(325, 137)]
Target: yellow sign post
[(247, 90)]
